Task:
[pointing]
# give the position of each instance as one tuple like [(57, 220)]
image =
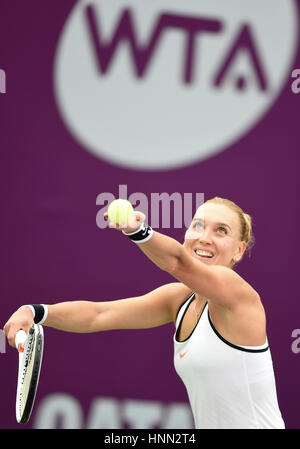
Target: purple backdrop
[(52, 250)]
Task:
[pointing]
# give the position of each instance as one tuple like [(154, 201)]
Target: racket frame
[(32, 347)]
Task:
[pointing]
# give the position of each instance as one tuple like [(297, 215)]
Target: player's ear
[(240, 251)]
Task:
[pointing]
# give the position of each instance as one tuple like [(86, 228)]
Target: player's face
[(214, 235)]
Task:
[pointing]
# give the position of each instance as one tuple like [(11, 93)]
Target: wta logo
[(160, 85)]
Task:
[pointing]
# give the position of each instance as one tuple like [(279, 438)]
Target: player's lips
[(203, 253)]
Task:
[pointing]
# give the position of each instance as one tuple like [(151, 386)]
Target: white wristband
[(30, 307), (45, 314), (33, 308)]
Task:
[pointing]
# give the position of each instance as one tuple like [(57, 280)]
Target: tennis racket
[(30, 348)]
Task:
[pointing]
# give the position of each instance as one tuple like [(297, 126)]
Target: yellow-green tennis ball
[(119, 211)]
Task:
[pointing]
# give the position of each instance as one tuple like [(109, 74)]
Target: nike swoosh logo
[(182, 354)]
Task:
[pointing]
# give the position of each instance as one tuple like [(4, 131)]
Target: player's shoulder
[(174, 290), (176, 294)]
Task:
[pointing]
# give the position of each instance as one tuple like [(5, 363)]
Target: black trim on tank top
[(179, 325), (186, 299), (231, 344)]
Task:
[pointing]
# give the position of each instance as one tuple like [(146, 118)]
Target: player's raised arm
[(214, 242)]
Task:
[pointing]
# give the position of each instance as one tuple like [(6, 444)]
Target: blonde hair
[(246, 233)]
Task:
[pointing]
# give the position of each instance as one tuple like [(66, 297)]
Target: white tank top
[(229, 386)]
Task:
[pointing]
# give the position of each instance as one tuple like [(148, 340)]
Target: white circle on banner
[(164, 84)]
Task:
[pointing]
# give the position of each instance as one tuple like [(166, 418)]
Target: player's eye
[(197, 225), (221, 228)]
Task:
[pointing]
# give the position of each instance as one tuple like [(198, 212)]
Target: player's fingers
[(117, 226), (9, 332), (11, 336), (139, 216), (136, 219), (13, 326)]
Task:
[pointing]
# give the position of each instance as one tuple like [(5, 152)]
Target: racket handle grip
[(20, 338)]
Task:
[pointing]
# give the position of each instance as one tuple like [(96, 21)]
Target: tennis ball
[(119, 211)]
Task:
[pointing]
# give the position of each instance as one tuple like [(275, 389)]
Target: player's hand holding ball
[(121, 215)]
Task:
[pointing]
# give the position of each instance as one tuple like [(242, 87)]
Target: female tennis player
[(221, 348)]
